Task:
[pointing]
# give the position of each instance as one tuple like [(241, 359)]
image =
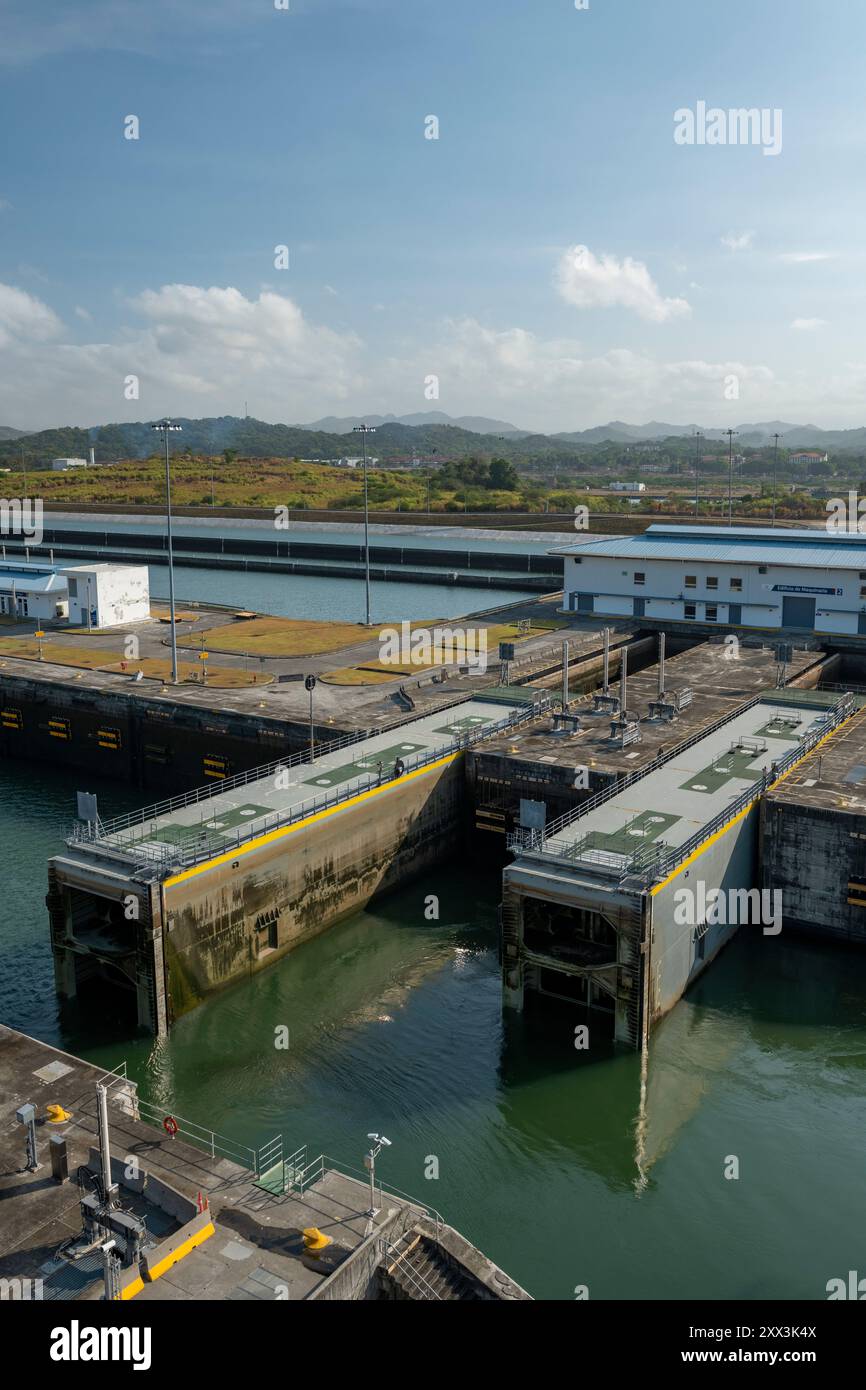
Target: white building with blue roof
[(739, 576), (98, 595)]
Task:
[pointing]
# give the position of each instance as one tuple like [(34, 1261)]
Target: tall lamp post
[(698, 438), (378, 1143), (363, 431), (776, 437), (730, 434), (166, 427)]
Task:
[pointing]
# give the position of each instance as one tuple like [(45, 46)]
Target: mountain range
[(477, 424), (429, 436)]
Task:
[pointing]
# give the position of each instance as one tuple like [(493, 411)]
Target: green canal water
[(562, 1169)]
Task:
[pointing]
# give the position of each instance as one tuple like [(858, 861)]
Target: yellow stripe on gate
[(272, 835)]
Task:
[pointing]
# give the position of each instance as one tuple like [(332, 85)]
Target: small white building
[(114, 595), (744, 577), (808, 456), (64, 465), (32, 591), (627, 487)]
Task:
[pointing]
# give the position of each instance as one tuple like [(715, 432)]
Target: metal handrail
[(554, 827), (209, 1139), (206, 845), (87, 830), (836, 715), (317, 1167), (400, 1257)]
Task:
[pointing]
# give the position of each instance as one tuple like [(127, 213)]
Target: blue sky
[(716, 283)]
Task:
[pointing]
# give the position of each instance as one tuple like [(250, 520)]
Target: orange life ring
[(169, 1124)]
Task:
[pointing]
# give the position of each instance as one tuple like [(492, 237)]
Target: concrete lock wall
[(680, 951), (816, 857), (241, 913), (156, 745)]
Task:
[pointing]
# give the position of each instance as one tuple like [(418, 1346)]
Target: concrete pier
[(174, 902), (215, 1226), (171, 738), (539, 761), (618, 906), (813, 839)]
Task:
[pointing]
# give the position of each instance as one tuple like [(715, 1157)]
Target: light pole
[(379, 1142), (776, 437), (310, 684), (730, 434), (167, 428), (363, 431), (698, 438)]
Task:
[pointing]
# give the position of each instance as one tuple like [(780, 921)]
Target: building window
[(691, 581), (73, 587), (639, 577), (736, 585), (711, 613), (690, 610), (712, 581), (863, 590)]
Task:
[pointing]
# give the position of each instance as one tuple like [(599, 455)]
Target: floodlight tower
[(166, 427), (363, 431)]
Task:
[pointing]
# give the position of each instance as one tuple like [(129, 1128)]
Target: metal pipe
[(104, 1148), (564, 676), (623, 678), (606, 659), (661, 665), (171, 604)]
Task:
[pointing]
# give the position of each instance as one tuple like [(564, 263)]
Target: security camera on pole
[(379, 1142)]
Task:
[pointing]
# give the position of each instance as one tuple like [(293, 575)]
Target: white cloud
[(807, 325), (24, 318), (589, 282), (82, 313), (194, 350), (554, 384), (201, 351), (738, 241), (804, 257)]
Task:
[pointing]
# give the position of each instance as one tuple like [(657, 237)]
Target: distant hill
[(251, 438), (396, 441), (7, 432), (478, 424)]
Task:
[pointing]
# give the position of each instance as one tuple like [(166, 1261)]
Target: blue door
[(798, 611)]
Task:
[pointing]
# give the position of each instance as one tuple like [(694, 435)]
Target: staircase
[(420, 1269)]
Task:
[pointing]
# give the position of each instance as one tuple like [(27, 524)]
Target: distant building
[(736, 576), (94, 595), (64, 465), (627, 487), (808, 456)]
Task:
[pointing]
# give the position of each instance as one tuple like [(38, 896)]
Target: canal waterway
[(299, 595), (552, 1163)]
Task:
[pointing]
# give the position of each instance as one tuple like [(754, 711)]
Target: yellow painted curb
[(129, 1290), (182, 1251), (739, 816), (309, 820)]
